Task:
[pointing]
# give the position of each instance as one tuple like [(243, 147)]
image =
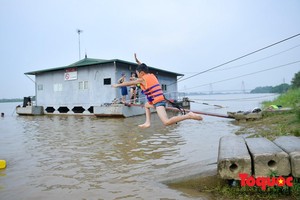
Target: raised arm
[(120, 79), (137, 60)]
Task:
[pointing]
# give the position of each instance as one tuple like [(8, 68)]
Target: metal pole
[(79, 31)]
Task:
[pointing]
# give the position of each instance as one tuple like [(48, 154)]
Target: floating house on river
[(84, 87)]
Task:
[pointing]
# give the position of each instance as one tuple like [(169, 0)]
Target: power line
[(255, 61), (248, 54), (241, 65), (245, 75), (236, 99), (220, 91)]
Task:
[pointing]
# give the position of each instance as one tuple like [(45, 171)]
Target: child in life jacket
[(152, 89)]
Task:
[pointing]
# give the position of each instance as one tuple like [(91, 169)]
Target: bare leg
[(161, 111), (148, 116), (134, 96), (131, 94), (124, 99)]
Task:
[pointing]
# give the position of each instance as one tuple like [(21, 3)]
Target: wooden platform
[(250, 116), (118, 110)]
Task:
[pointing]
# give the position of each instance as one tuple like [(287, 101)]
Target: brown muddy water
[(71, 157)]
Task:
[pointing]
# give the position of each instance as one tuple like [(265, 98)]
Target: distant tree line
[(282, 88), (11, 100), (296, 81), (15, 100)]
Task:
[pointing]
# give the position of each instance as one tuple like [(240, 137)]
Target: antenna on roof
[(79, 31)]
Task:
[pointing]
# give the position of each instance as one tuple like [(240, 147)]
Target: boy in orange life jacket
[(155, 97)]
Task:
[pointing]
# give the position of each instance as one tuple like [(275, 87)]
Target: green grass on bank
[(272, 126), (276, 124), (289, 99)]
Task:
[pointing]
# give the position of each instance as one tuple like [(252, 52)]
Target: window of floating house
[(57, 87), (164, 87), (40, 87), (107, 81), (80, 85), (83, 85)]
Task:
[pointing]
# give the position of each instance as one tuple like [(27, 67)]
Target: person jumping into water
[(155, 97)]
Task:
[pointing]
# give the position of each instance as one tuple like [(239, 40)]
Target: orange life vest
[(152, 89)]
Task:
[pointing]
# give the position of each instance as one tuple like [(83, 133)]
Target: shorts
[(161, 103), (124, 91)]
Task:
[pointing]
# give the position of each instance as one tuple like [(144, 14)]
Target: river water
[(81, 157)]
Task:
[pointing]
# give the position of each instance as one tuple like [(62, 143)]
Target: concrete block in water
[(291, 145), (30, 110), (233, 157), (268, 157)]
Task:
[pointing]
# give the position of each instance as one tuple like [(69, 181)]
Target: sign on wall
[(71, 74)]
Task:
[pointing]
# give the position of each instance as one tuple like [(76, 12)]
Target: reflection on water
[(68, 157)]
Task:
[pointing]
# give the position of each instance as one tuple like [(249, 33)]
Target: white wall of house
[(88, 88), (168, 86)]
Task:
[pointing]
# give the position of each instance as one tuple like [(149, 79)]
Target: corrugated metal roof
[(92, 61), (87, 61)]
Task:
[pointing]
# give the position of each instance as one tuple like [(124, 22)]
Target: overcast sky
[(182, 36)]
